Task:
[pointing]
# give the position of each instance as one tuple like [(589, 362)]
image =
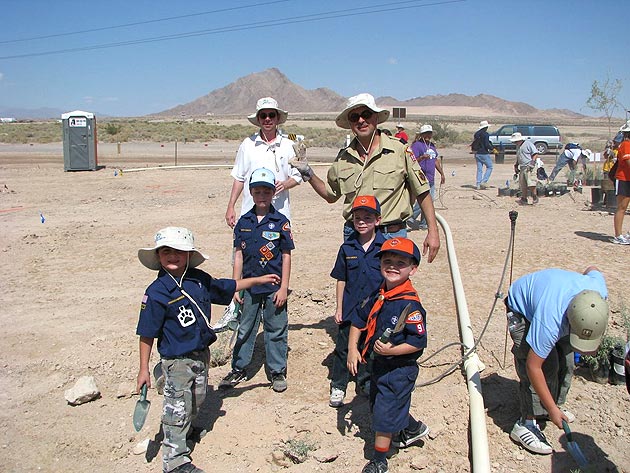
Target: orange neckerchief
[(404, 291)]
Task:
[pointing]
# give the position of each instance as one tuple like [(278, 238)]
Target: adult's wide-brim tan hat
[(178, 238), (516, 137), (483, 124), (588, 319), (268, 103), (358, 101)]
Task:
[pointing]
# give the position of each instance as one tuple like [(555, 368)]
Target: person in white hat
[(376, 164), (269, 149), (427, 156), (175, 310), (571, 155), (552, 313), (482, 147), (525, 166), (622, 185), (401, 134)]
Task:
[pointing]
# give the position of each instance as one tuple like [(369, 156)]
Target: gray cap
[(588, 318)]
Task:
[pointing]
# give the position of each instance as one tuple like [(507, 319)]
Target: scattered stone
[(126, 389), (325, 456), (84, 390), (141, 447), (520, 457), (419, 463), (279, 458)]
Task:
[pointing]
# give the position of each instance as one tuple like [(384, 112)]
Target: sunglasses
[(365, 114), (263, 115)]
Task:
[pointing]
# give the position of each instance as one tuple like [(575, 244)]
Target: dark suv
[(545, 137)]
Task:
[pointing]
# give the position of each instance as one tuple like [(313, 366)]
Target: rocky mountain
[(239, 98)]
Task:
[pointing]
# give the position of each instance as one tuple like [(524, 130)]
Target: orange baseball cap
[(367, 202), (401, 246)]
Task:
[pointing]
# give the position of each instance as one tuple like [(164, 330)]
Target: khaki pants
[(557, 368)]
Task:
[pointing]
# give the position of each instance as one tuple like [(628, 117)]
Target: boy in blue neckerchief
[(358, 275), (176, 310), (263, 244), (394, 370)]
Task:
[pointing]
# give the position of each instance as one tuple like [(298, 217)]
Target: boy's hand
[(353, 360), (384, 349), (237, 298), (338, 317), (280, 297), (269, 279), (144, 377)]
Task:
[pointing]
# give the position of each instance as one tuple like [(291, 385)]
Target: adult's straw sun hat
[(268, 103), (357, 101)]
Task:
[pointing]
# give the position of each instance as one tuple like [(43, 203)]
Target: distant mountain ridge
[(239, 98)]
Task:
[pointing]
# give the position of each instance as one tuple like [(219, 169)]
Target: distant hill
[(31, 114), (239, 98)]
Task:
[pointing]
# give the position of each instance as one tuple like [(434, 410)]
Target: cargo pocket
[(174, 412)]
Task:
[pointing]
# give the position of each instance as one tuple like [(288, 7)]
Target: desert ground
[(72, 286)]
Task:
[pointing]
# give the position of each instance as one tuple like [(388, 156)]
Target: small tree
[(604, 97)]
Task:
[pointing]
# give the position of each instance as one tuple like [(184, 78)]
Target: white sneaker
[(620, 240), (530, 437), (229, 320), (336, 397)]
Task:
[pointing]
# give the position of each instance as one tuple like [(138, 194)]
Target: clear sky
[(543, 52)]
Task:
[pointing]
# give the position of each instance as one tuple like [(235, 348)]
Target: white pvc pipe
[(472, 364)]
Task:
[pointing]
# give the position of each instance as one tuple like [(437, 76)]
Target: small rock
[(325, 456), (126, 389), (520, 457), (84, 390), (141, 447), (419, 463)]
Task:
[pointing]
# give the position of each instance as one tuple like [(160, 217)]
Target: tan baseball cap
[(588, 319)]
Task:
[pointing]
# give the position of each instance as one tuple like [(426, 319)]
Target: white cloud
[(392, 60), (88, 99)]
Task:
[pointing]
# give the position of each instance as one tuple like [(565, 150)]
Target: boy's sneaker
[(375, 467), (228, 320), (336, 397), (406, 437), (530, 437), (620, 240), (279, 382), (232, 379), (187, 468)]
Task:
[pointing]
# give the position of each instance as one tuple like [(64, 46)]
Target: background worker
[(551, 313), (427, 156), (571, 154), (401, 134), (375, 164), (525, 166), (622, 186), (482, 147)]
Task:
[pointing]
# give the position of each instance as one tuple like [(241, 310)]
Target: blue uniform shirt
[(414, 331), (543, 297), (262, 244), (361, 271), (169, 316)]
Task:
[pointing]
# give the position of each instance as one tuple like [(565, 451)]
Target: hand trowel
[(141, 410)]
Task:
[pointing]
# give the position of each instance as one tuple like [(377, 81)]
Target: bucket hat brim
[(357, 101)]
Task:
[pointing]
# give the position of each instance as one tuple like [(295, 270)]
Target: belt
[(392, 227)]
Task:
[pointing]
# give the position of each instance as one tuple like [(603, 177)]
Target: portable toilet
[(79, 141)]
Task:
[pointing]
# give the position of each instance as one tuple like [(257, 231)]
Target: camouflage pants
[(558, 370), (186, 380)]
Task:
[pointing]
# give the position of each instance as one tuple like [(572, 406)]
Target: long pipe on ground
[(472, 364)]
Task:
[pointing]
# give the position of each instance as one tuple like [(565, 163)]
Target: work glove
[(300, 162)]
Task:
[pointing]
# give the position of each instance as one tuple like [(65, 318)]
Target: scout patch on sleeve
[(286, 227), (416, 319)]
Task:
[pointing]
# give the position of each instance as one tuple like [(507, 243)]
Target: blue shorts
[(390, 395)]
